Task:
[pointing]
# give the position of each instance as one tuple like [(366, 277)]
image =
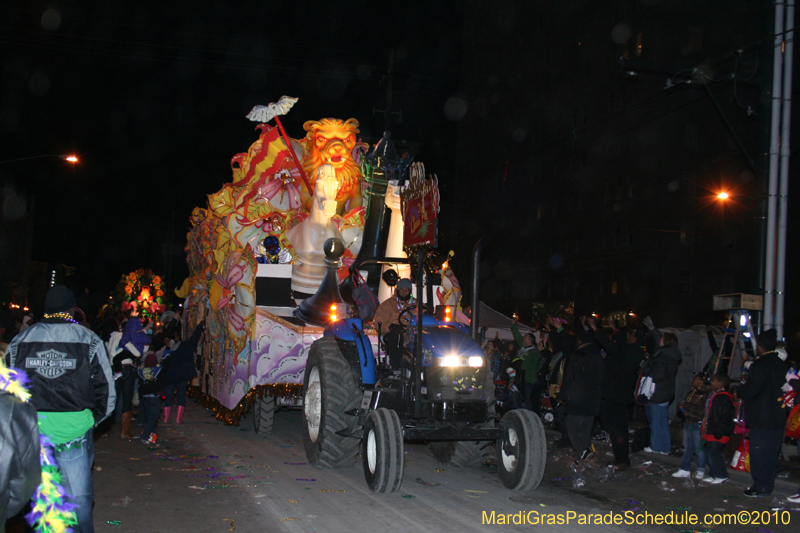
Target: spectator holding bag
[(662, 367)]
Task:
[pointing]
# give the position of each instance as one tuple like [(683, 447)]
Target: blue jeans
[(691, 446), (125, 386), (658, 414), (150, 407), (169, 393), (75, 463), (716, 462)]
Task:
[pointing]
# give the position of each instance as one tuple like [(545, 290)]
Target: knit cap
[(59, 299)]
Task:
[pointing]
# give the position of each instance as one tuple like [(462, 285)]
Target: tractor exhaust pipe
[(475, 300)]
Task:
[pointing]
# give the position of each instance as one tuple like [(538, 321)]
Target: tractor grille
[(456, 383)]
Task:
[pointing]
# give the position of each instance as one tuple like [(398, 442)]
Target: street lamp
[(66, 157), (71, 158)]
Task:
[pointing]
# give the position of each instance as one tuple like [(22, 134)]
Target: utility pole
[(387, 82)]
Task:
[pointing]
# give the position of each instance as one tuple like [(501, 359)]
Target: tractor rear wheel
[(521, 462), (329, 390), (382, 451), (263, 415)]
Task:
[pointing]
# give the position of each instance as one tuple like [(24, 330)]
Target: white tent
[(498, 325)]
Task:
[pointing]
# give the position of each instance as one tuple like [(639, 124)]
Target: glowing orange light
[(25, 308), (447, 312), (71, 159), (333, 313), (723, 195)]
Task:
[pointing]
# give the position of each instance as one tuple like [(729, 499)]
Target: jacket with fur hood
[(663, 368)]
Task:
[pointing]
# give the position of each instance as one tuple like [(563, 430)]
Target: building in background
[(597, 135)]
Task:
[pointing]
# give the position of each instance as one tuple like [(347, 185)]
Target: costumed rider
[(387, 318)]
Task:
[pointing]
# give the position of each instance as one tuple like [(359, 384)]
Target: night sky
[(152, 98)]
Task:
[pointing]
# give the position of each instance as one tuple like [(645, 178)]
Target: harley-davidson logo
[(51, 364)]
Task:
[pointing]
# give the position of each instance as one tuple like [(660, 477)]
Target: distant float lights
[(723, 195), (70, 158)]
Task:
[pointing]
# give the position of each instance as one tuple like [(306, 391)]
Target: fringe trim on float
[(230, 417)]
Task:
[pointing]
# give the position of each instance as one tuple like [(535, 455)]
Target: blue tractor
[(442, 392)]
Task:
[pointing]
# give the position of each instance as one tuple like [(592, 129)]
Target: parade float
[(255, 252), (138, 293)]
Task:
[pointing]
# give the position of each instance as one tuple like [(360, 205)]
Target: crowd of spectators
[(591, 382)]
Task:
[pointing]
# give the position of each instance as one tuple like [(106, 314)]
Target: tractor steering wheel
[(405, 315)]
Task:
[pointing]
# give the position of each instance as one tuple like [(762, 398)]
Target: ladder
[(738, 345), (739, 341)]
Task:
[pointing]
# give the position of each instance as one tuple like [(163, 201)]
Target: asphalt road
[(207, 477)]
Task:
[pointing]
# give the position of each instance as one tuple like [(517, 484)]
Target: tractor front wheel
[(382, 451), (521, 451)]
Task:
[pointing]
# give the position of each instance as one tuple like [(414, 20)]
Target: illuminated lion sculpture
[(331, 141)]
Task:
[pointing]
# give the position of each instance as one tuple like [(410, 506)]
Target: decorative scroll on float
[(420, 205)]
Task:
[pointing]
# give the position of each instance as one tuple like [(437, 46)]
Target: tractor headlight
[(476, 361), (450, 360)]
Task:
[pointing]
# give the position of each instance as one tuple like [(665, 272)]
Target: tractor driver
[(387, 318)]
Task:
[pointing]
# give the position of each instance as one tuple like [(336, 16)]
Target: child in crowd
[(717, 427), (149, 397), (693, 409)]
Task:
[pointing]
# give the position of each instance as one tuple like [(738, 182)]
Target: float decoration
[(246, 222), (420, 205), (140, 294), (266, 113)]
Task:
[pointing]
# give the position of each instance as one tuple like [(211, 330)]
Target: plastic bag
[(793, 423), (741, 458), (365, 301)]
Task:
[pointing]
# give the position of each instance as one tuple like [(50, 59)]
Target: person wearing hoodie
[(580, 392), (764, 416), (663, 368), (179, 369), (619, 371), (132, 342), (530, 364), (150, 395)]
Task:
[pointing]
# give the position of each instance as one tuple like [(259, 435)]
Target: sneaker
[(753, 493), (149, 440), (682, 473), (700, 474), (648, 449), (587, 454), (794, 499), (715, 480)]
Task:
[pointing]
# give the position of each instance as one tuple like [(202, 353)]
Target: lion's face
[(331, 141)]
